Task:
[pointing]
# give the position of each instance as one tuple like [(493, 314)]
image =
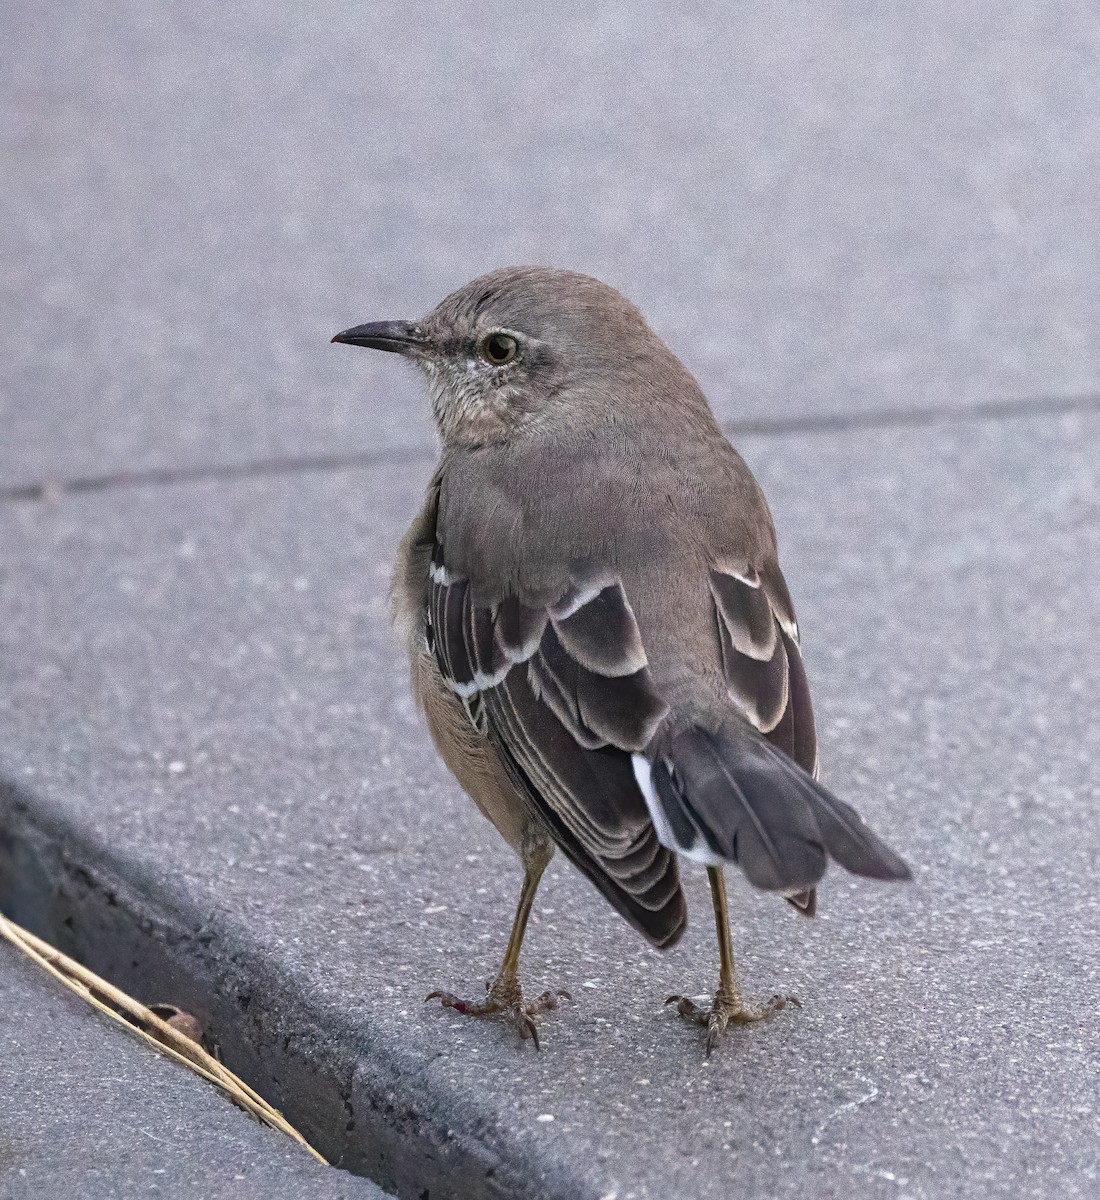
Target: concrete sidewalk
[(825, 207), (874, 234), (222, 794), (86, 1110)]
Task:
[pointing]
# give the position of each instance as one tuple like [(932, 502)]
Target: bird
[(601, 640)]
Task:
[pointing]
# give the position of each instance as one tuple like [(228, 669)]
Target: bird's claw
[(505, 999), (726, 1009)]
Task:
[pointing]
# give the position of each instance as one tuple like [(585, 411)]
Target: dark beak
[(399, 337)]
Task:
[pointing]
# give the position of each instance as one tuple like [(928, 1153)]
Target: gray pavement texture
[(218, 791), (847, 218), (87, 1111), (824, 206)]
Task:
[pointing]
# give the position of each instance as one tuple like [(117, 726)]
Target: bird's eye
[(499, 348)]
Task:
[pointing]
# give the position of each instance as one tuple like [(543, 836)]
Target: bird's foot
[(505, 1000), (728, 1008)]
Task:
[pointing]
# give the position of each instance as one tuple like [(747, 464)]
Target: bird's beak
[(399, 337)]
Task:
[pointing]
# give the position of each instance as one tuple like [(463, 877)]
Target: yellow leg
[(532, 876), (505, 996), (728, 1005)]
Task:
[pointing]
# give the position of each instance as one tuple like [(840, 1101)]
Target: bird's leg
[(728, 1004), (505, 996)]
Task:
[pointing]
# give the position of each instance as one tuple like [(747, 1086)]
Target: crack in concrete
[(835, 422)]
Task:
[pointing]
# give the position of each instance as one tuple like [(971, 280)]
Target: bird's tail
[(726, 795)]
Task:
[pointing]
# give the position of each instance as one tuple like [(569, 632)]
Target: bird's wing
[(757, 639), (758, 645), (738, 783), (560, 685)]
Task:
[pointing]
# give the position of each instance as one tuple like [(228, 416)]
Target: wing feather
[(758, 648), (564, 693)]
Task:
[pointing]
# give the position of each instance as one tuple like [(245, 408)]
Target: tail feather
[(850, 841), (727, 795)]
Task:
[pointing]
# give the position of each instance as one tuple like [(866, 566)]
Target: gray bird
[(602, 642)]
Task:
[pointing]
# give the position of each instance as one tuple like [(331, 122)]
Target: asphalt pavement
[(873, 234)]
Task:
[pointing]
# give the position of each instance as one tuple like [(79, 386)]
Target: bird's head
[(523, 347)]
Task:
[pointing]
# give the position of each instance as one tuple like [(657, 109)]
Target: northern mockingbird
[(602, 642)]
